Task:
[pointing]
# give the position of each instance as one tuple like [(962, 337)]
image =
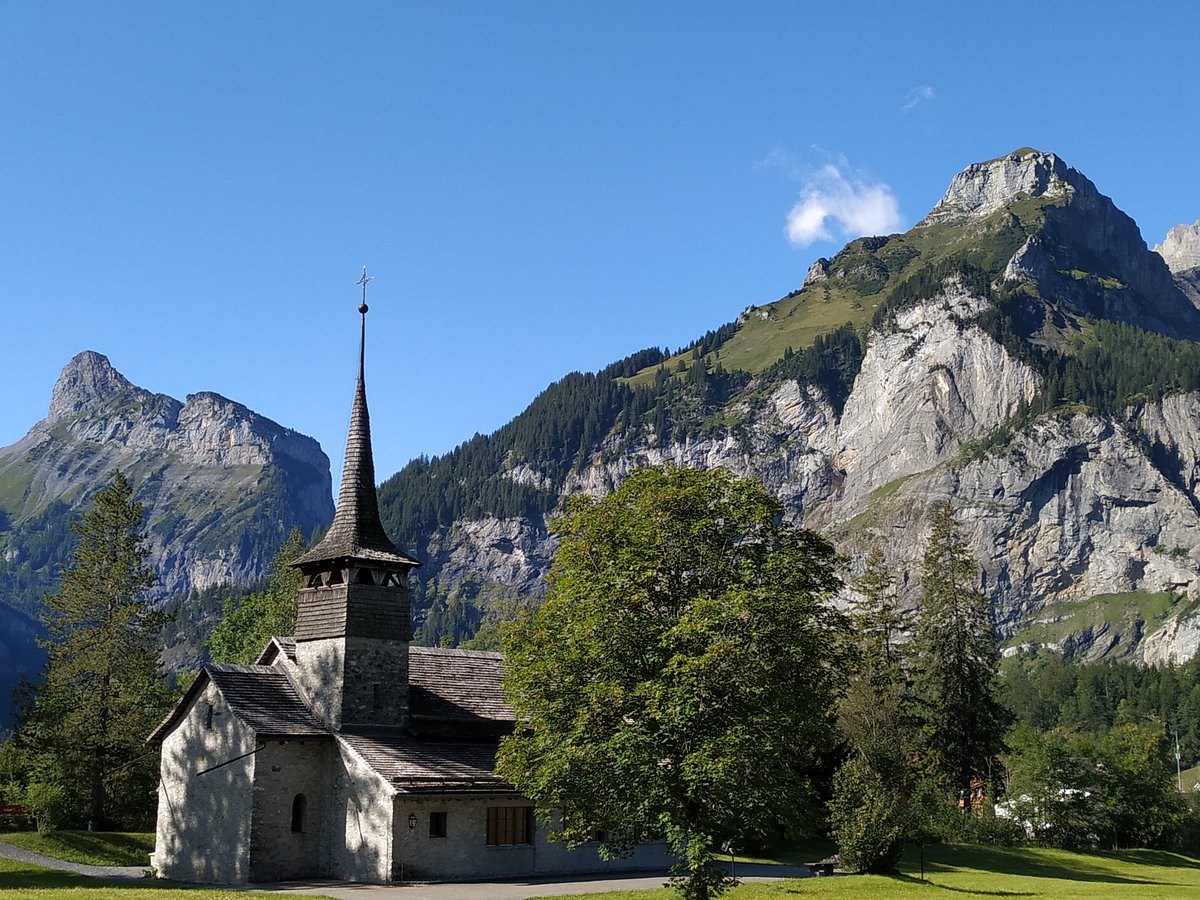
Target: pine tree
[(868, 809), (102, 692), (956, 665), (876, 619)]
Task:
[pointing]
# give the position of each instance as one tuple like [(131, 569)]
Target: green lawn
[(1191, 778), (19, 881), (92, 848), (991, 872)]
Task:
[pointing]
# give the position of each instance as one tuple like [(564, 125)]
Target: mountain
[(20, 657), (1019, 352), (222, 485)]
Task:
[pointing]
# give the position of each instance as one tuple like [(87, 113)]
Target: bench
[(820, 869), (14, 811)]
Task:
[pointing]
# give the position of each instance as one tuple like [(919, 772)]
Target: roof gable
[(261, 697)]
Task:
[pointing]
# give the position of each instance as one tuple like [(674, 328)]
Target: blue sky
[(538, 187)]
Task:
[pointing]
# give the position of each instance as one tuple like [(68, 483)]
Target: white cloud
[(833, 199), (916, 96)]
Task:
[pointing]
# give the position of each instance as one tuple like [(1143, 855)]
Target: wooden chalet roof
[(261, 697), (411, 765)]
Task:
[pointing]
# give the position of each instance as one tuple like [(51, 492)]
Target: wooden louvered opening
[(509, 825)]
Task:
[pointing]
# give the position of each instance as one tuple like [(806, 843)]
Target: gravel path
[(115, 873)]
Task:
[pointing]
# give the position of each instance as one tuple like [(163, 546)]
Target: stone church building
[(344, 752)]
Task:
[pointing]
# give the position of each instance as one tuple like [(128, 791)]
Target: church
[(345, 752)]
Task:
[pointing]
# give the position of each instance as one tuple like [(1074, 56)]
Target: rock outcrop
[(1180, 249)]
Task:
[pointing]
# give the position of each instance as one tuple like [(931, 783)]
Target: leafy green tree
[(247, 626), (679, 678), (1143, 807), (102, 691), (956, 661), (1054, 787)]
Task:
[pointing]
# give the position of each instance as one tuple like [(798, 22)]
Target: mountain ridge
[(997, 319), (221, 484)]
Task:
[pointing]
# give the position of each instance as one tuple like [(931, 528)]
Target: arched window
[(298, 805)]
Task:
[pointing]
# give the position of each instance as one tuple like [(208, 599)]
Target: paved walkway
[(512, 890), (493, 890), (114, 873)]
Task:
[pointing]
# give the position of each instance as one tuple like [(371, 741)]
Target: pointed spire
[(357, 531)]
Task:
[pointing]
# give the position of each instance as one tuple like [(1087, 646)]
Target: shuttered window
[(509, 825)]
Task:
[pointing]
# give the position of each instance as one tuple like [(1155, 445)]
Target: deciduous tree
[(680, 677)]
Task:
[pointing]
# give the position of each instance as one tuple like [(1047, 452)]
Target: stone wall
[(359, 821), (285, 770), (203, 829), (464, 854)]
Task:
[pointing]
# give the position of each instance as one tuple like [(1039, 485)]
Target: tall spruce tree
[(956, 664), (102, 692)]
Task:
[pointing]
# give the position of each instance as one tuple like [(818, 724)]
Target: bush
[(991, 829), (868, 818), (48, 803)]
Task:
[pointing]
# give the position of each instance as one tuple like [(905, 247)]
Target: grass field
[(969, 871), (20, 880), (92, 848), (964, 870)]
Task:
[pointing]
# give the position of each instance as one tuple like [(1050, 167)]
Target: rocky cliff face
[(222, 485), (1181, 248), (1086, 524)]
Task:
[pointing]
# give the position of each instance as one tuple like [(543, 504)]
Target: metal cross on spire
[(363, 281), (362, 308)]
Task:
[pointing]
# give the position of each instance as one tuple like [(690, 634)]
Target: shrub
[(48, 803), (868, 818)]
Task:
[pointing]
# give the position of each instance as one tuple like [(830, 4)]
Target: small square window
[(437, 824)]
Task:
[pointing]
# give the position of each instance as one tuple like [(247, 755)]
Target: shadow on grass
[(1029, 862), (913, 879), (1153, 858), (15, 876), (93, 848)]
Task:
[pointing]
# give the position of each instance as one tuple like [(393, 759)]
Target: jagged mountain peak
[(1181, 248), (88, 380), (221, 484), (987, 187)]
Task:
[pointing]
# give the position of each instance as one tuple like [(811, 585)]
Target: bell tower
[(354, 618)]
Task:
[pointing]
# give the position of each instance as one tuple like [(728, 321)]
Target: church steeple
[(353, 617), (357, 531)]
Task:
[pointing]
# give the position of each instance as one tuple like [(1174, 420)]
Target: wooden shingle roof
[(411, 765), (357, 531), (457, 684), (261, 697), (265, 699)]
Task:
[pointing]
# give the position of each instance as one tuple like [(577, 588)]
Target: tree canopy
[(680, 677)]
